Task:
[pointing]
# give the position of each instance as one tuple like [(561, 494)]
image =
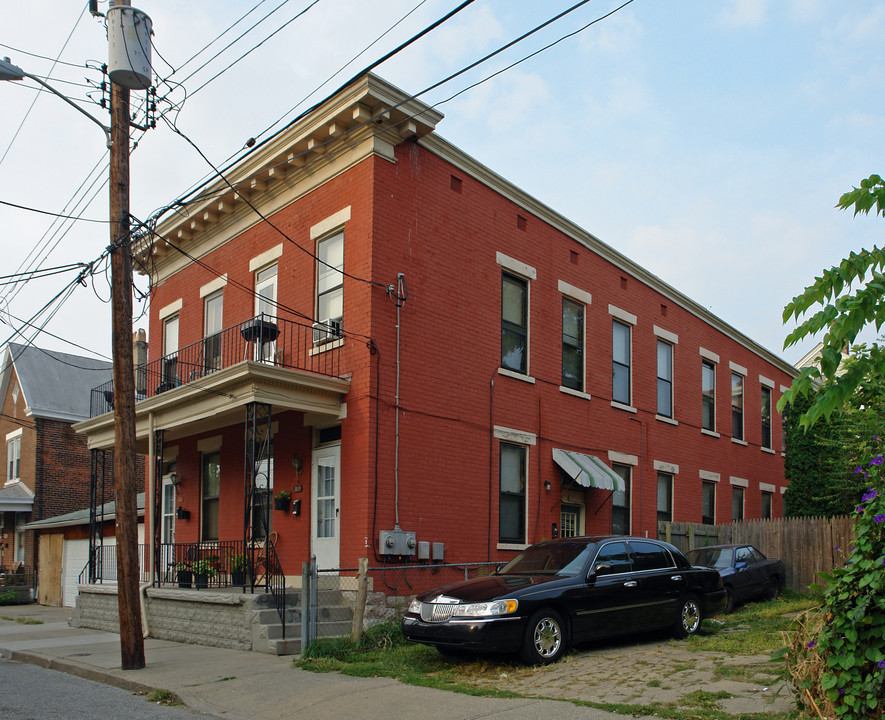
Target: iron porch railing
[(263, 338)]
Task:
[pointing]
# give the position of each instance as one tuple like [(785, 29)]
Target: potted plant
[(184, 574), (281, 500), (238, 564), (202, 569)]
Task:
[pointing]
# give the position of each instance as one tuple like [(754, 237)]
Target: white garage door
[(76, 555)]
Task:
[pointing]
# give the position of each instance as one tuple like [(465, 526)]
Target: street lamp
[(8, 71)]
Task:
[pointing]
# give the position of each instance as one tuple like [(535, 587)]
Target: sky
[(707, 141)]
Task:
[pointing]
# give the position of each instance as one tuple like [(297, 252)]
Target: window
[(621, 502), (616, 555), (665, 497), (737, 406), (649, 556), (569, 521), (330, 281), (708, 503), (708, 395), (620, 362), (213, 311), (170, 353), (572, 345), (13, 456), (210, 488), (766, 505), (766, 417), (665, 379), (512, 501), (737, 503), (266, 304), (514, 323)]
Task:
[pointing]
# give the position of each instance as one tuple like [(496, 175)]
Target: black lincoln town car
[(561, 592)]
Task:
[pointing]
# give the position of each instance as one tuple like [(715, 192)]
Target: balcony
[(263, 339)]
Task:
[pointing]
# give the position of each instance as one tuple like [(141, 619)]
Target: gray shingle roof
[(54, 384)]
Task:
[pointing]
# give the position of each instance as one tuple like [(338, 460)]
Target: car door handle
[(676, 577), (630, 583)]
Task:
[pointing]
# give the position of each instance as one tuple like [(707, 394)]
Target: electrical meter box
[(397, 542)]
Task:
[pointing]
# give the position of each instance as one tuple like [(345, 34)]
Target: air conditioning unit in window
[(326, 331)]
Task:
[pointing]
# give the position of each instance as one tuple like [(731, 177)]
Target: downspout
[(398, 295)]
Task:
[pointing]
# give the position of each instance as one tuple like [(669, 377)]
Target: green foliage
[(204, 566), (841, 668), (851, 297)]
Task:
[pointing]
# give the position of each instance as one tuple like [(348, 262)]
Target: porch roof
[(217, 400), (16, 498)]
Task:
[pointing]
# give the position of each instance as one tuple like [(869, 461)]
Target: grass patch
[(22, 620), (163, 697)]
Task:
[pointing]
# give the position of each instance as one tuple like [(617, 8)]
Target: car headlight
[(486, 609), (415, 607)]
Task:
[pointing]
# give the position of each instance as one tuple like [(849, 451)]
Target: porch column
[(156, 485), (257, 445), (100, 466)]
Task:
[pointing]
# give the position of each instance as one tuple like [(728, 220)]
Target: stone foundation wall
[(215, 619)]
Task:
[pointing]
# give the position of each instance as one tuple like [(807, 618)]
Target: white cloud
[(744, 12), (619, 34)]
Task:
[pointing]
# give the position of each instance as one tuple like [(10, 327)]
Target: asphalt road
[(28, 692)]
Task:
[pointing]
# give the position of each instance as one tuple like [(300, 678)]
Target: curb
[(87, 673)]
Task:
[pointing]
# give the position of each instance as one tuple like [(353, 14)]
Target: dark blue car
[(746, 573)]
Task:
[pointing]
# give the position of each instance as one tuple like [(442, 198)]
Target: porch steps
[(334, 619)]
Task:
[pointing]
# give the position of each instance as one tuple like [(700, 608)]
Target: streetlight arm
[(8, 71)]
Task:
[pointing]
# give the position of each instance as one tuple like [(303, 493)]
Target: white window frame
[(663, 342), (14, 455), (583, 298)]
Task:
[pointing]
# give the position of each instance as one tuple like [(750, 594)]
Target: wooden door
[(50, 569)]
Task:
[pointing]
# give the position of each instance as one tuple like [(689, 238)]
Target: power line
[(57, 215)]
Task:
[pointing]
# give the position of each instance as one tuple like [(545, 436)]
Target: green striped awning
[(588, 470)]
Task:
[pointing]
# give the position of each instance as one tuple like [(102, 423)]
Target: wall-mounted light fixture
[(296, 463), (175, 480), (547, 485)]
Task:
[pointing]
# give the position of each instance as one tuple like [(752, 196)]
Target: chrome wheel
[(545, 639), (689, 617)]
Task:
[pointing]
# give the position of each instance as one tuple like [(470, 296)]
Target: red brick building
[(46, 464), (441, 359)]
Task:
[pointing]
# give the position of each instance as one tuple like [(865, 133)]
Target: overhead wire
[(52, 214)]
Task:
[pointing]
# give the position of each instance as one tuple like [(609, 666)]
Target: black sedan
[(558, 593), (746, 573)]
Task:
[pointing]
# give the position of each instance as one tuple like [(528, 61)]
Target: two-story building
[(430, 362)]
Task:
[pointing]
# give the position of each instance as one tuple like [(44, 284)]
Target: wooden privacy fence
[(807, 545)]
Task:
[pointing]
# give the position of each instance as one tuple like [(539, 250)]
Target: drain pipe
[(398, 295)]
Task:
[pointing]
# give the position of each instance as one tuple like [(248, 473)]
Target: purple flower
[(841, 691), (811, 643), (869, 495), (836, 549), (879, 518), (858, 469), (859, 509), (881, 664), (876, 460)]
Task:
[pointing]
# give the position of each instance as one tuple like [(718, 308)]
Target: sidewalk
[(247, 685)]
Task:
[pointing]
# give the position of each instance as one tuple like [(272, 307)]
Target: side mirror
[(602, 568), (740, 564)]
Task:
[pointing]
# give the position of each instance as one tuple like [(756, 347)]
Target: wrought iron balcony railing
[(264, 338)]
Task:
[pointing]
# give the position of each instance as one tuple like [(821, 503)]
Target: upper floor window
[(13, 455), (766, 417), (621, 502), (766, 505), (572, 344), (266, 305), (737, 503), (514, 323), (665, 379), (213, 311), (511, 517), (737, 406), (330, 283), (621, 362), (708, 395), (170, 352)]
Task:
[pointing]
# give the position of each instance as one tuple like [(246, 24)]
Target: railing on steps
[(275, 583)]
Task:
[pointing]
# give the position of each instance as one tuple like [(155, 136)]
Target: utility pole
[(129, 602)]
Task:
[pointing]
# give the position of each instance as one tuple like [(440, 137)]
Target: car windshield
[(564, 558), (711, 557)]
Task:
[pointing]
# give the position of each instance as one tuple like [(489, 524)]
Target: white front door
[(326, 517), (167, 528)]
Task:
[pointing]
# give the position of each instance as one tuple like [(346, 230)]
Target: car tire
[(729, 600), (773, 589), (688, 619), (544, 640)]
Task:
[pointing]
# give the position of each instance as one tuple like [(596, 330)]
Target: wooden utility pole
[(129, 603)]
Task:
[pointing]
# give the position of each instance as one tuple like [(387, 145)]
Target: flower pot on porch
[(237, 577), (281, 504), (201, 581), (185, 578)]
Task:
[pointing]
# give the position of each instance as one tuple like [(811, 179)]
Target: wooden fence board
[(806, 546)]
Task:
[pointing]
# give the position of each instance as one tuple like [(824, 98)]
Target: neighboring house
[(433, 363), (46, 463), (70, 534)]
